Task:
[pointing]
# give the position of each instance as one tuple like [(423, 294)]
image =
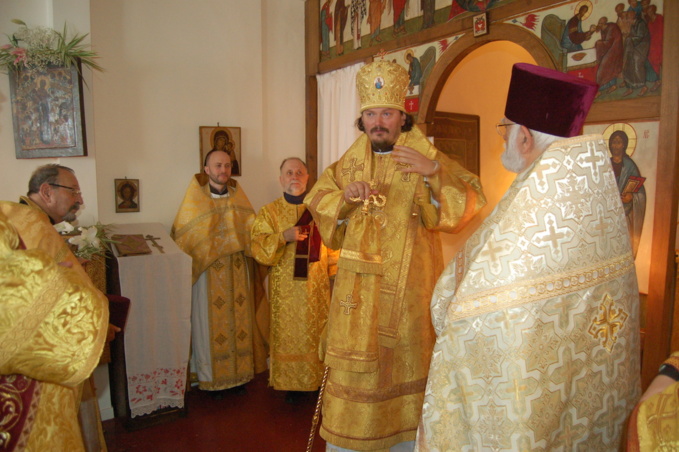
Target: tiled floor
[(259, 420)]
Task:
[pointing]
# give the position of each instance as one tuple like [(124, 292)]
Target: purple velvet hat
[(548, 101)]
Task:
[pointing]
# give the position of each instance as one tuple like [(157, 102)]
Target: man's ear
[(526, 141), (45, 192)]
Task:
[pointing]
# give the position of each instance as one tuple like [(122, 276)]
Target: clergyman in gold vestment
[(285, 238), (383, 204), (213, 227), (537, 319), (54, 321)]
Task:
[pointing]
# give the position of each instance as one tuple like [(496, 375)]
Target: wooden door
[(457, 136)]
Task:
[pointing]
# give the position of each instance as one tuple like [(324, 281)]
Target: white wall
[(283, 92), (171, 67)]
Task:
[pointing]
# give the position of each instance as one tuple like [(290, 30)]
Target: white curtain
[(338, 106)]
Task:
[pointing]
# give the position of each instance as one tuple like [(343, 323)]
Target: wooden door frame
[(464, 46), (660, 301)]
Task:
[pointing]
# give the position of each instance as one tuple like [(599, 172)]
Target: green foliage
[(36, 48)]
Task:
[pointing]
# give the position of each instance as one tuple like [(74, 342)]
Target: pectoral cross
[(153, 242)]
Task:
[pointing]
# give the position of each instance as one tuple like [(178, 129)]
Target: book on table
[(131, 244)]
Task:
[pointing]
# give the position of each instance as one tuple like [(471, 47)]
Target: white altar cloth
[(158, 329)]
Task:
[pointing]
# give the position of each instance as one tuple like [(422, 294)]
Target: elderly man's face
[(65, 199), (294, 177), (511, 158), (383, 126)]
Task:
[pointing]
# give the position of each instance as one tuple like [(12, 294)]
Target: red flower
[(20, 54)]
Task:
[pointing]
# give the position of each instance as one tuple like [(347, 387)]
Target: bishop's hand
[(358, 190), (414, 162)]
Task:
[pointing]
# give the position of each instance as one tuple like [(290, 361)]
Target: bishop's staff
[(317, 411)]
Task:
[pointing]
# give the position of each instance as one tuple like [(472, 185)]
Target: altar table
[(157, 335)]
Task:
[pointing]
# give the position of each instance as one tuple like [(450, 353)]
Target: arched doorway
[(472, 77), (466, 45)]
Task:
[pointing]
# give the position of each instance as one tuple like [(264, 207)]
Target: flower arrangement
[(36, 48), (90, 242)]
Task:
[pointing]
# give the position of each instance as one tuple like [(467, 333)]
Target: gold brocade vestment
[(36, 231), (537, 319), (53, 325), (654, 424), (299, 308), (215, 232), (379, 333)]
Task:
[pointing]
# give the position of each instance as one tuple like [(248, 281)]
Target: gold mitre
[(382, 84)]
